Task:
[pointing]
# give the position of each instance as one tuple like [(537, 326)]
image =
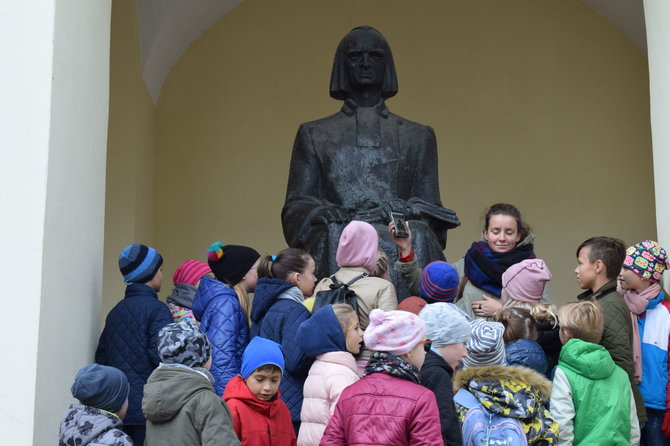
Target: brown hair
[(518, 322), (611, 251), (540, 312), (509, 210), (288, 261), (345, 314), (584, 320), (268, 368)]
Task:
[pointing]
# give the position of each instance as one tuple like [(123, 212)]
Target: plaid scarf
[(387, 363), (484, 267)]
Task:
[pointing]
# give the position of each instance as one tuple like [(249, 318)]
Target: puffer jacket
[(276, 316), (221, 318), (85, 425), (654, 327), (515, 392), (333, 370), (381, 409), (591, 398), (526, 353), (182, 408), (256, 422), (372, 292), (180, 303), (436, 375), (129, 342), (618, 335)]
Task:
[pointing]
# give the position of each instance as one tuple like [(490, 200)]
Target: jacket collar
[(349, 108), (599, 293), (140, 289), (237, 389), (342, 358)]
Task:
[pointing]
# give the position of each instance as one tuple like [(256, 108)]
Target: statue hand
[(329, 214), (396, 205)]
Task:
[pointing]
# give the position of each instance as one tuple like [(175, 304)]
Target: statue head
[(363, 60)]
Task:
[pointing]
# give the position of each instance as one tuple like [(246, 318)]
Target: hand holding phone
[(400, 225)]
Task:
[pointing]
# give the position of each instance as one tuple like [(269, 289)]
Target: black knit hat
[(230, 263)]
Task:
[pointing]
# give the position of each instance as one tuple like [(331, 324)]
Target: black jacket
[(436, 376)]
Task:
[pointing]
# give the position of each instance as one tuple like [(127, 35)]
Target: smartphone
[(400, 226)]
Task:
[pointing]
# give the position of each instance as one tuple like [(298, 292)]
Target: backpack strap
[(466, 399), (362, 276)]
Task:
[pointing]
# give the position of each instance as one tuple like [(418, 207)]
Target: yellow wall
[(130, 166), (539, 103)]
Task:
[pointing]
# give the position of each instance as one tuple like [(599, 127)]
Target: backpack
[(339, 293), (482, 427)]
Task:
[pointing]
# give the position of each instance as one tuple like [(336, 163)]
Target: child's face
[(306, 280), (354, 336), (631, 281), (264, 383), (251, 277), (587, 272), (453, 354)]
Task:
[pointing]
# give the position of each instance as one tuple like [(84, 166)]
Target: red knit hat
[(190, 272)]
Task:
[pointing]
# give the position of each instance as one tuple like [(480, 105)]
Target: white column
[(54, 87), (657, 17)]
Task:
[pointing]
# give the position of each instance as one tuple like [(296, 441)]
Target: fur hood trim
[(504, 373)]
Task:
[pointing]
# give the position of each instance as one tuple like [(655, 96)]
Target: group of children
[(446, 368)]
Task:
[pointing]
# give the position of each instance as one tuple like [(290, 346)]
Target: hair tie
[(273, 258)]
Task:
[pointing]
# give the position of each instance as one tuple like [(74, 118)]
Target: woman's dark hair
[(518, 322), (510, 210), (291, 260)]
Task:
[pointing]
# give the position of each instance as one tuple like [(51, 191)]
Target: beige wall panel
[(130, 168), (539, 103)]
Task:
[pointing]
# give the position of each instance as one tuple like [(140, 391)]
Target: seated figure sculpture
[(363, 163)]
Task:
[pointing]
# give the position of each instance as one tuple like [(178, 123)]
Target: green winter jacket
[(618, 334), (181, 408), (601, 396)]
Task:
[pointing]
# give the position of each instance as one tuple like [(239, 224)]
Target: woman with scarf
[(507, 241), (388, 406), (639, 284)]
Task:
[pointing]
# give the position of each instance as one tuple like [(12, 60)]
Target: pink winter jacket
[(330, 374), (384, 410)]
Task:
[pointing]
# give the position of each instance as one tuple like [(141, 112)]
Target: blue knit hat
[(439, 282), (101, 387), (139, 263), (260, 352)]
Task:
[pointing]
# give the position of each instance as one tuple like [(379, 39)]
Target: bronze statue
[(364, 162)]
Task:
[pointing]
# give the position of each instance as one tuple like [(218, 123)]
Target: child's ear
[(599, 266)]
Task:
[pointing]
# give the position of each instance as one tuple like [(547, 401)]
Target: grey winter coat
[(88, 426)]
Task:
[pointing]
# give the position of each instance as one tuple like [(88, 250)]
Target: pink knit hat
[(396, 332), (358, 246), (525, 281), (190, 272)]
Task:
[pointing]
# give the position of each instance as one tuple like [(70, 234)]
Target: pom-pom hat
[(230, 263), (395, 332)]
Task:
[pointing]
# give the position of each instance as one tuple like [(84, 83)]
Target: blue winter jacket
[(278, 319), (129, 342), (654, 328), (527, 353), (222, 319)]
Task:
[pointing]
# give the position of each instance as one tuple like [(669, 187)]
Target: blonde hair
[(243, 297), (382, 265), (584, 320), (345, 314), (540, 312)]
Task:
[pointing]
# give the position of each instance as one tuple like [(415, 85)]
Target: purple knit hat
[(358, 246), (439, 282), (648, 260), (525, 281), (395, 332)]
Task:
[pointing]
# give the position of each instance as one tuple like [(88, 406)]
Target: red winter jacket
[(381, 409), (256, 422)]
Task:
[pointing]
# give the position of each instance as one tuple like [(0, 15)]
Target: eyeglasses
[(426, 344)]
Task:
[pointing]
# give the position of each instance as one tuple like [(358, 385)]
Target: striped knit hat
[(190, 272), (139, 263), (439, 282), (486, 346)]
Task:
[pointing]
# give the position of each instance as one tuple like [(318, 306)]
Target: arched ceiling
[(168, 27)]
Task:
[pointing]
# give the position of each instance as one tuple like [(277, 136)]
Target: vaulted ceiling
[(168, 27)]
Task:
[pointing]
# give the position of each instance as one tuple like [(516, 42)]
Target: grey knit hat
[(445, 324), (486, 346), (183, 343)]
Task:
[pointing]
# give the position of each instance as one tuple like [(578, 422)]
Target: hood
[(512, 391), (237, 389), (321, 333), (267, 291), (208, 290), (83, 424), (182, 295), (168, 389), (586, 359), (527, 353)]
